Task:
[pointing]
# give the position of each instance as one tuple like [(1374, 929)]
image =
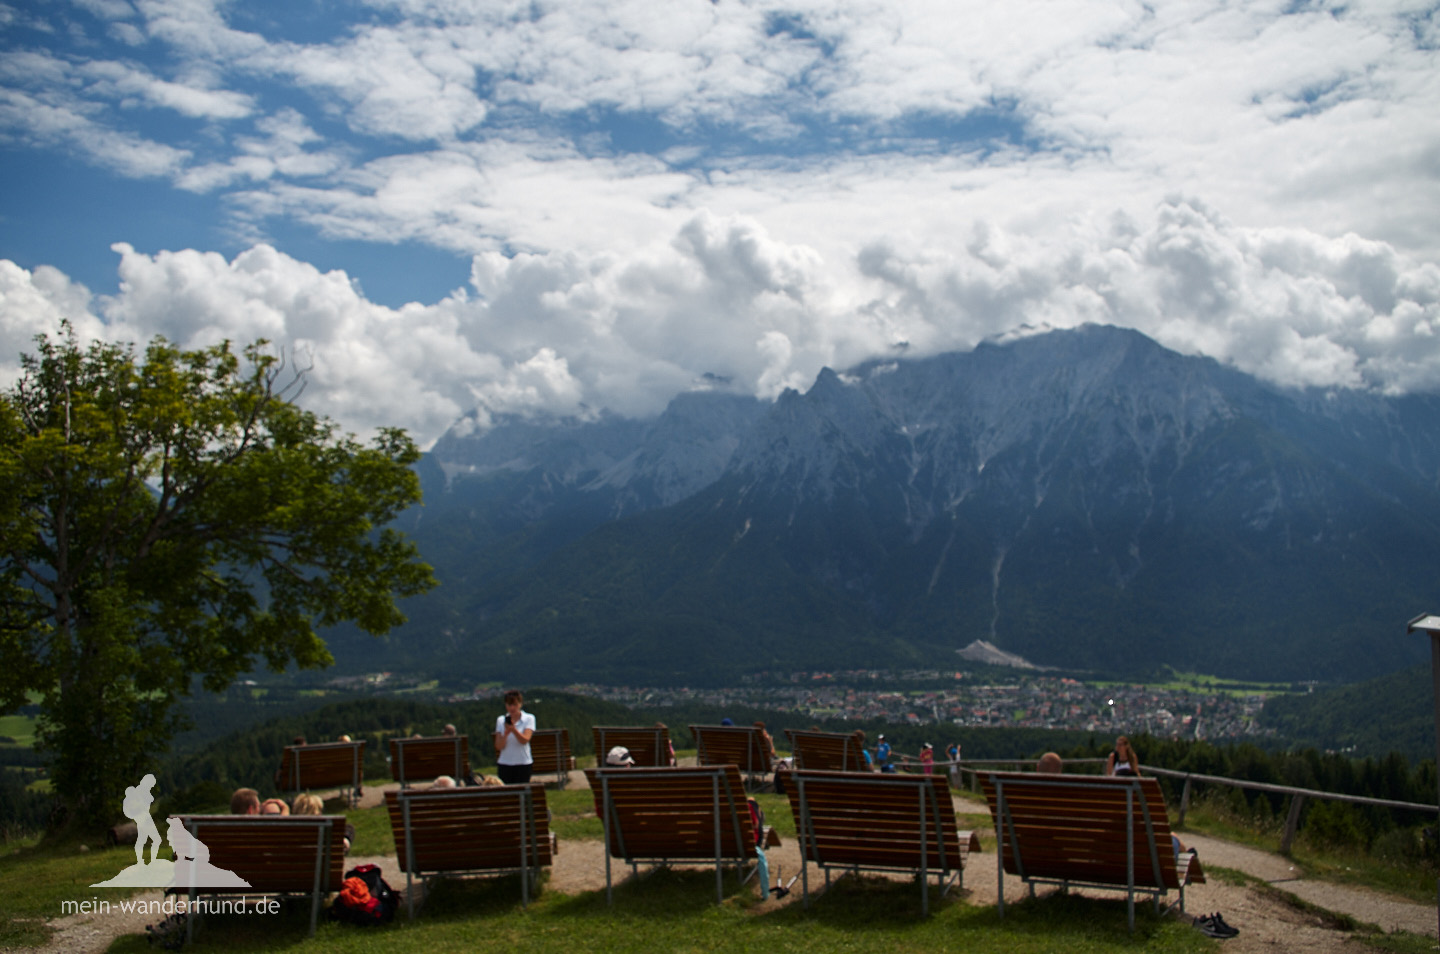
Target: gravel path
[(1266, 922), (1363, 904)]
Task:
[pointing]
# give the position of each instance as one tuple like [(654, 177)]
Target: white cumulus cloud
[(723, 298)]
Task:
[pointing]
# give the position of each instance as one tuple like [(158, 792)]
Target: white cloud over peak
[(562, 333)]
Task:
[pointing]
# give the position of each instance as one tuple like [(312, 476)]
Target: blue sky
[(557, 207)]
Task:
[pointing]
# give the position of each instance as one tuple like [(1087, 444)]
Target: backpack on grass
[(365, 898)]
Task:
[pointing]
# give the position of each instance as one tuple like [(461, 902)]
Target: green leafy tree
[(174, 519)]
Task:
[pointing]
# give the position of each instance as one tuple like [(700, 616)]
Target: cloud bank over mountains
[(737, 192)]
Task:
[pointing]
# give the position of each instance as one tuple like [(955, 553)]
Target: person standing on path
[(512, 741)]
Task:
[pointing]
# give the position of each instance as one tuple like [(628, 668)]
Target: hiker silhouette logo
[(191, 869)]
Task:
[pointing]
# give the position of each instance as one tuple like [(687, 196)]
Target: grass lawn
[(665, 910), (20, 728), (671, 910), (34, 880)]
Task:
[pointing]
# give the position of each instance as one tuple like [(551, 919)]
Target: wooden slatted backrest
[(874, 820), (550, 750), (649, 745), (470, 829), (674, 812), (274, 853), (742, 746), (827, 751), (322, 765), (415, 760), (1074, 827)]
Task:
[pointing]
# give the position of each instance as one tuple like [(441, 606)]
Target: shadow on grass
[(858, 902), (259, 930), (1071, 916), (454, 899), (448, 902), (663, 893)]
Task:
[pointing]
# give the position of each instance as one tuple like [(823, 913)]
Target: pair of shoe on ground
[(1213, 925)]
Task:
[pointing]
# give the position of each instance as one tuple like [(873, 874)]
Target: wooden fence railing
[(969, 768)]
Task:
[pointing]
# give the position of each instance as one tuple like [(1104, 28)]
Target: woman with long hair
[(1123, 760)]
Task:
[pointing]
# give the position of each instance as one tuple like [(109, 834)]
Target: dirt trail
[(1265, 922), (1363, 904)]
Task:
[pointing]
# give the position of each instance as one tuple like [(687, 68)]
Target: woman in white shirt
[(512, 741), (1122, 761)]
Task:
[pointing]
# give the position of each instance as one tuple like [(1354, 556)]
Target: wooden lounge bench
[(741, 746), (827, 751), (415, 760), (550, 750), (649, 745), (873, 822), (1083, 830), (452, 831), (276, 854), (323, 765), (669, 815)]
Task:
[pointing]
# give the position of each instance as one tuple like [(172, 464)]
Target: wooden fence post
[(1184, 801), (1292, 821)]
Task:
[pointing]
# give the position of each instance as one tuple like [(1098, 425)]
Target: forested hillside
[(1392, 713)]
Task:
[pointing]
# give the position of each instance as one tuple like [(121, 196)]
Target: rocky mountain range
[(1083, 498)]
